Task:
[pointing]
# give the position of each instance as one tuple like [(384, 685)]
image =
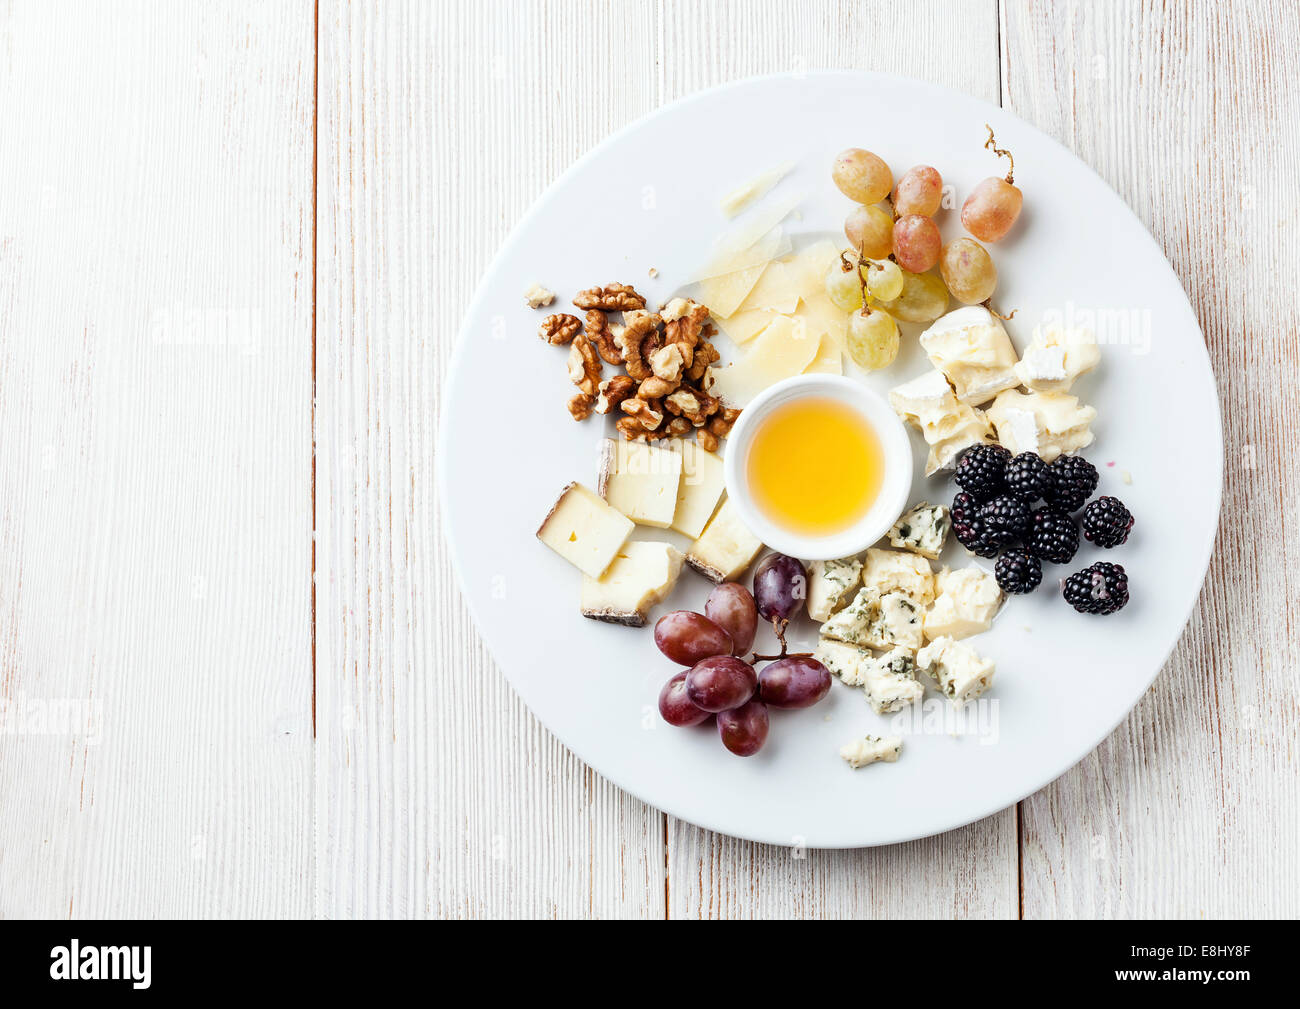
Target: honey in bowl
[(814, 466)]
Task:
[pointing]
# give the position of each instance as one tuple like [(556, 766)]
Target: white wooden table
[(236, 241)]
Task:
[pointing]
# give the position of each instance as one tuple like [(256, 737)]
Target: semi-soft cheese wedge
[(639, 577), (1046, 423), (923, 529), (972, 348), (584, 530), (725, 548), (958, 670), (831, 585), (967, 602), (949, 427), (870, 749), (700, 489), (1055, 357), (896, 571), (640, 480)]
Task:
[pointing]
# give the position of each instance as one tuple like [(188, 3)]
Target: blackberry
[(1053, 536), (1106, 522), (963, 508), (1005, 520), (1028, 477), (1018, 571), (1100, 588), (979, 471), (974, 536), (1074, 479)]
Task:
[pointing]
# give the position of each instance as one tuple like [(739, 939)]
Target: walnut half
[(558, 330), (611, 298)]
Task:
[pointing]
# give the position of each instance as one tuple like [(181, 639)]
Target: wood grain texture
[(1189, 110), (437, 792), (155, 471)]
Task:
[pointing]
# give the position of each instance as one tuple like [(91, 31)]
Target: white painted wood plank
[(437, 792), (969, 872), (1191, 808), (155, 470)]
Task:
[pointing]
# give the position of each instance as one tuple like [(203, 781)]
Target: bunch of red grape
[(720, 681)]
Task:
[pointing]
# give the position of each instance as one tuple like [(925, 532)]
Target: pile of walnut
[(667, 357)]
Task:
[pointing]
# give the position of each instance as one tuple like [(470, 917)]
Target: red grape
[(731, 607), (991, 209), (686, 637), (780, 587), (744, 729), (916, 243), (919, 191), (720, 682), (676, 707), (794, 682)]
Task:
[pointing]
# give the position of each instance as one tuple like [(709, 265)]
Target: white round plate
[(648, 198)]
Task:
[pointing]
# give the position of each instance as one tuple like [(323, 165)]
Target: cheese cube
[(923, 529), (641, 481), (888, 681), (948, 426), (584, 530), (700, 488), (968, 600), (639, 577), (1046, 423), (876, 620), (971, 347), (870, 749), (725, 548), (1055, 357), (895, 571), (830, 585), (958, 670)]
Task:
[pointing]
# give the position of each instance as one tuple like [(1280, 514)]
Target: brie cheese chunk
[(584, 530), (725, 548), (971, 347), (876, 620), (960, 673), (1046, 423), (948, 426), (639, 577), (967, 602), (870, 749), (1055, 357), (923, 529), (895, 571), (830, 585), (641, 481), (700, 489)]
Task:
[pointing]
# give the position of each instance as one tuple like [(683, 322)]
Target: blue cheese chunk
[(923, 529), (895, 571), (831, 585), (889, 681), (870, 749), (960, 673), (877, 620)]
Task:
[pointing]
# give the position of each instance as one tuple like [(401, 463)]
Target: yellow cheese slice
[(820, 317), (725, 294), (742, 196), (775, 290), (779, 352), (808, 267), (829, 359), (741, 327)]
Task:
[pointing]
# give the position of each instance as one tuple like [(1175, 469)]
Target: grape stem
[(779, 626), (988, 303), (1011, 161)]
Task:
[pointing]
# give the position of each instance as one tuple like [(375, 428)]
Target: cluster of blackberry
[(993, 516)]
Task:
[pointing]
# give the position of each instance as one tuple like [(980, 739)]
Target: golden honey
[(814, 466)]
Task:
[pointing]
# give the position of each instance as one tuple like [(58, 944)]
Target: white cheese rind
[(584, 530), (1055, 357), (871, 749), (948, 426), (641, 481), (923, 529), (725, 548), (897, 571), (958, 670), (971, 347), (967, 602), (1046, 423), (831, 584), (876, 620), (699, 491), (640, 576)]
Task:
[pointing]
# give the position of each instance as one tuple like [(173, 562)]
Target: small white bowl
[(894, 488)]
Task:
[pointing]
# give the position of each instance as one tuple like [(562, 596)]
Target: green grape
[(884, 279), (968, 271), (862, 176), (870, 231), (873, 339), (924, 298), (844, 289)]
